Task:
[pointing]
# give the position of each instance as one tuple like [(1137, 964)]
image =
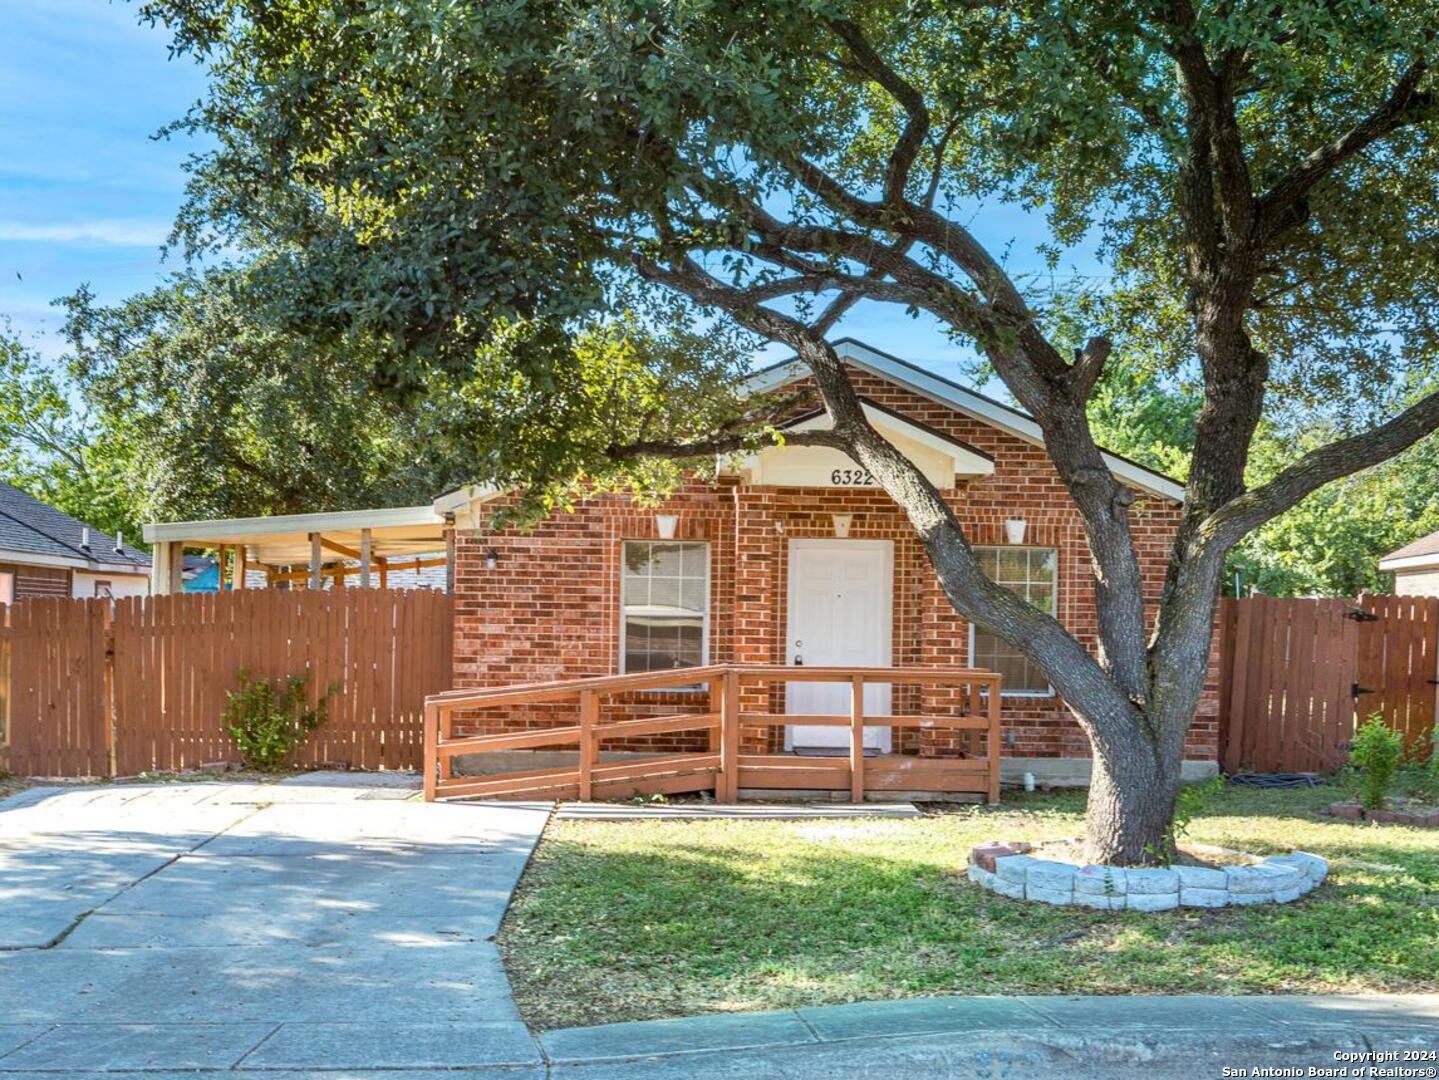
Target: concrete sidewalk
[(1151, 1037), (1155, 1038)]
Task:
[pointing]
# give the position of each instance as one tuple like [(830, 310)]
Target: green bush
[(1423, 778), (268, 720), (1374, 756)]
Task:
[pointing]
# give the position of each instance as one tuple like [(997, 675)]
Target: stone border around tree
[(1007, 870)]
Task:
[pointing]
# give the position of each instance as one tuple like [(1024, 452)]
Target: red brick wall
[(551, 607)]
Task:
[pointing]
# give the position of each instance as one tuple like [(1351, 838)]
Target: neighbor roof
[(1412, 556), (29, 527), (961, 398)]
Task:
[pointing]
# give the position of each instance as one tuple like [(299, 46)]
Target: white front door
[(840, 613)]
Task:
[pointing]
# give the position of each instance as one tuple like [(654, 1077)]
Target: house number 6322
[(851, 477)]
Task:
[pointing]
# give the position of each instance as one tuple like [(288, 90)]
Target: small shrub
[(1423, 778), (1375, 755), (267, 721)]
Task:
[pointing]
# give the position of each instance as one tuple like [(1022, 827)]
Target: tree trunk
[(1131, 802)]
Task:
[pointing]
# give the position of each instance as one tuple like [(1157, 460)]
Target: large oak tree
[(1259, 177)]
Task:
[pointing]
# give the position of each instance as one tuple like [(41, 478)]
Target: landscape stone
[(984, 855), (1012, 889), (1285, 896), (1049, 896), (1201, 877), (1050, 875), (1100, 880), (1103, 903), (1152, 882), (1317, 866), (1248, 879), (1242, 899), (1151, 901), (1014, 867), (1203, 898)]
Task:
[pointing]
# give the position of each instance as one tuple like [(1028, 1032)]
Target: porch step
[(600, 811)]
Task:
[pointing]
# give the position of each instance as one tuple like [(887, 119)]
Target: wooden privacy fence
[(1297, 675), (722, 767), (114, 688)]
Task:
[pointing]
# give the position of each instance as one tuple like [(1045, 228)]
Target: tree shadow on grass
[(703, 921)]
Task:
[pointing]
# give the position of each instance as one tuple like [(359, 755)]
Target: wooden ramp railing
[(721, 767)]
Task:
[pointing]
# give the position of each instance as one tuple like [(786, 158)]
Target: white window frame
[(1048, 691), (704, 621)]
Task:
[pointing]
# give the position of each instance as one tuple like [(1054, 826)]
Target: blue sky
[(87, 195)]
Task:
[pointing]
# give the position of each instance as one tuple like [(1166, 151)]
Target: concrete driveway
[(326, 922)]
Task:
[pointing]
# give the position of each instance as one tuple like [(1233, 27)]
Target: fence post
[(992, 742), (589, 715), (432, 750), (107, 638), (856, 739), (729, 738)]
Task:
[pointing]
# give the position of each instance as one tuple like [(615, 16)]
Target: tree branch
[(1227, 525), (1398, 109), (911, 139)]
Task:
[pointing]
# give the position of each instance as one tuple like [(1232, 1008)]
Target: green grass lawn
[(635, 920)]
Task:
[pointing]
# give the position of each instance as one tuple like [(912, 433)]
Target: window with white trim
[(664, 598), (1033, 573)]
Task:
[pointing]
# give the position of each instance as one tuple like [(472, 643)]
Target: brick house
[(47, 553), (795, 556)]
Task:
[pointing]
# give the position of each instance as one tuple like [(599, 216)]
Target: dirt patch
[(1202, 855)]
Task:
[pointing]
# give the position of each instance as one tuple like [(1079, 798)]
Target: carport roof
[(285, 539)]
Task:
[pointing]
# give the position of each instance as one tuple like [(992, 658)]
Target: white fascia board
[(31, 558), (1410, 562), (339, 520), (454, 501), (968, 402)]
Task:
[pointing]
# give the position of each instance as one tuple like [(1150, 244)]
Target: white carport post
[(316, 581), (365, 549)]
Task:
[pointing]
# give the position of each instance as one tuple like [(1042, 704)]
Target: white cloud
[(99, 233)]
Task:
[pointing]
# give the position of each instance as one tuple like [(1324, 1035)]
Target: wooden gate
[(1298, 674)]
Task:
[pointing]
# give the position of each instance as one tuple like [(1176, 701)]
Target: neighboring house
[(791, 556), (1415, 567), (44, 552)]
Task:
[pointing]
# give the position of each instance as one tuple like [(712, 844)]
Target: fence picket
[(87, 689)]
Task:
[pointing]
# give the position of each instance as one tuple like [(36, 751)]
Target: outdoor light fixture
[(492, 559), (665, 525), (842, 523), (1014, 530)]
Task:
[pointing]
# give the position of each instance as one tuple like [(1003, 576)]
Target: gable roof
[(961, 399), (29, 527), (1413, 555)]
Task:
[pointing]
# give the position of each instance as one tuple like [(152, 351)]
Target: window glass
[(1033, 574), (665, 600)]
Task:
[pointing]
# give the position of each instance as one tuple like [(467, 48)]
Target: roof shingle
[(29, 525)]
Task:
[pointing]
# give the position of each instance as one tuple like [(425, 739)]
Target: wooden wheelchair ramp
[(960, 709)]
